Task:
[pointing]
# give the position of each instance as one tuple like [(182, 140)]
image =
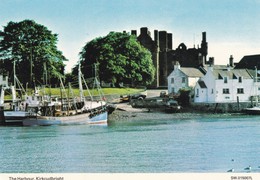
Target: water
[(190, 145)]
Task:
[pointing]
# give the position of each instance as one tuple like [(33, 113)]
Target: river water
[(146, 146)]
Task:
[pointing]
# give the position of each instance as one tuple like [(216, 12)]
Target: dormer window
[(240, 79), (225, 80)]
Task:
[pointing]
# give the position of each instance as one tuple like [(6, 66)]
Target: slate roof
[(232, 73), (191, 72), (202, 84), (249, 62)]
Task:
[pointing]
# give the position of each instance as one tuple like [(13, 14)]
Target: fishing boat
[(66, 111), (16, 113)]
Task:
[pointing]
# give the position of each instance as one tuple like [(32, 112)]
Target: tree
[(118, 57), (33, 48)]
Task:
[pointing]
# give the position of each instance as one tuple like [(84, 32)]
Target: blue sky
[(232, 26)]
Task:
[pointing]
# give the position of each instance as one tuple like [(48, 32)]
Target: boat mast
[(80, 76), (80, 84), (256, 85)]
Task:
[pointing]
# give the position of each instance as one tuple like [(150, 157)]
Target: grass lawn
[(106, 91)]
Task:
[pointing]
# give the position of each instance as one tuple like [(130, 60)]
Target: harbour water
[(203, 144)]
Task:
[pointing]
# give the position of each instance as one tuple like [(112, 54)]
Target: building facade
[(222, 86), (183, 78)]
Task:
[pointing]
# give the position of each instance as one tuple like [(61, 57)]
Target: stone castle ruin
[(164, 56)]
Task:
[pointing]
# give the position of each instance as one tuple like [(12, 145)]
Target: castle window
[(225, 91)]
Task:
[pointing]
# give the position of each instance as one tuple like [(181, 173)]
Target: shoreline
[(125, 112)]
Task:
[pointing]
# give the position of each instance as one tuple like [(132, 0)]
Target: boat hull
[(252, 111), (84, 118), (15, 117)]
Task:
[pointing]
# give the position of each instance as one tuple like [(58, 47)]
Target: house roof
[(202, 84), (232, 73), (191, 72), (249, 62)]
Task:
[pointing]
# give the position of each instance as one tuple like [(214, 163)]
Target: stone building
[(164, 56)]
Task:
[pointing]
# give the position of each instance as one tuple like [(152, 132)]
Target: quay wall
[(220, 107)]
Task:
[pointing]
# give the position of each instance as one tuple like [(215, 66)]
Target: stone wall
[(220, 107)]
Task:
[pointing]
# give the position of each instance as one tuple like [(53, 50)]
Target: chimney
[(177, 66), (231, 61), (211, 61)]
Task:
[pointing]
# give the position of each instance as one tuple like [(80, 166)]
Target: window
[(225, 91), (172, 80), (225, 79), (183, 80), (212, 91), (197, 92), (240, 79), (240, 91)]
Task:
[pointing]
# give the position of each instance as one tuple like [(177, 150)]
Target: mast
[(14, 75), (256, 86), (2, 95), (80, 84)]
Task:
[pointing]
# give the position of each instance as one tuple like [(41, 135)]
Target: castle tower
[(155, 57), (169, 40), (134, 32), (163, 42), (204, 47)]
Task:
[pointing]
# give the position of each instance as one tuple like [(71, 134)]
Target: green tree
[(118, 57), (33, 48)]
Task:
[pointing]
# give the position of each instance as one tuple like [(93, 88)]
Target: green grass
[(56, 91), (106, 91)]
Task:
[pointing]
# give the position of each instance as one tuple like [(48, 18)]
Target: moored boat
[(65, 111), (252, 111), (84, 118)]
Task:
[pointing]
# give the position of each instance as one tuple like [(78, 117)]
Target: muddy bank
[(125, 112)]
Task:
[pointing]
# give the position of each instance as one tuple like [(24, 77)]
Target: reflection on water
[(190, 145)]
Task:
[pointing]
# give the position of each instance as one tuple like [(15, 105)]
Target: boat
[(255, 108), (16, 113), (252, 111), (66, 111), (172, 106)]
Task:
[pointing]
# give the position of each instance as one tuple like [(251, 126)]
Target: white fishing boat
[(16, 113)]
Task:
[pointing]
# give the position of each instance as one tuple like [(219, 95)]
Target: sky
[(232, 26)]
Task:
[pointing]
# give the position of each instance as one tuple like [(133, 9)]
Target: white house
[(182, 77), (226, 85)]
